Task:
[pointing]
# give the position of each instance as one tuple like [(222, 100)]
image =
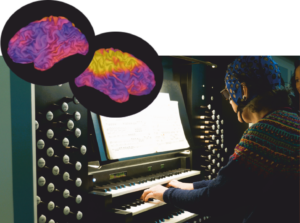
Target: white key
[(181, 218), (145, 207), (142, 186)]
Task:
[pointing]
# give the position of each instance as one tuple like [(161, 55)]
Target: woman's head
[(254, 82), (269, 100), (260, 74)]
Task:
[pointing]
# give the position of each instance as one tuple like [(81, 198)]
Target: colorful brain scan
[(46, 42), (117, 74)]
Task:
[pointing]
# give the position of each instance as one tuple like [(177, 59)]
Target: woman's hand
[(155, 192), (180, 185)]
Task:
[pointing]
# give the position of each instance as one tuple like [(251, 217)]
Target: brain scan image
[(46, 42), (117, 74)]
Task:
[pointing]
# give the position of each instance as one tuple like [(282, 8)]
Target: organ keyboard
[(138, 207), (111, 191), (138, 184)]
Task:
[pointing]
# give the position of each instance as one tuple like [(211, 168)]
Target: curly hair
[(272, 100)]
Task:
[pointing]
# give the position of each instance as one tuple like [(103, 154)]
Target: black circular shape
[(66, 69), (101, 103)]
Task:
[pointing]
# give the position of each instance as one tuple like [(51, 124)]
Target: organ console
[(62, 166), (79, 183)]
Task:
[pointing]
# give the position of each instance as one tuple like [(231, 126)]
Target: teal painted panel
[(22, 149), (6, 181)]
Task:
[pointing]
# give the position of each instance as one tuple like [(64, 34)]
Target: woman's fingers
[(146, 192), (149, 195), (172, 183)]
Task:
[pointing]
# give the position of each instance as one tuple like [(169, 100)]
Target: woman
[(295, 83), (260, 182)]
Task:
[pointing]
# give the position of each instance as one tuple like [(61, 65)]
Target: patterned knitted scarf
[(271, 146)]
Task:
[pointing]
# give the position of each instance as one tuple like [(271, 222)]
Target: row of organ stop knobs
[(46, 136), (210, 136)]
